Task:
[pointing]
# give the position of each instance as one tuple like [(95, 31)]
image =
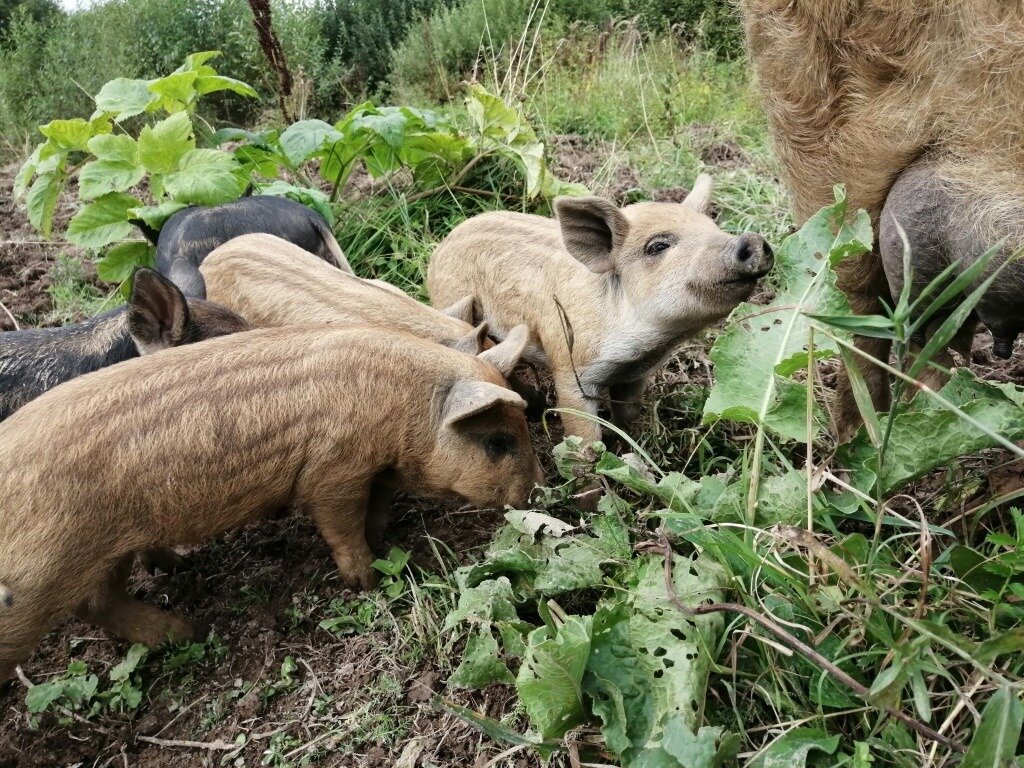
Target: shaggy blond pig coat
[(607, 293), (274, 283), (179, 447)]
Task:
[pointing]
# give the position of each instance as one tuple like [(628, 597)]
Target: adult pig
[(190, 234), (624, 286), (179, 447), (157, 315), (924, 205)]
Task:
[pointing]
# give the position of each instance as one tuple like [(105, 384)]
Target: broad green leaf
[(205, 177), (119, 262), (69, 134), (41, 696), (995, 742), (550, 680), (27, 170), (156, 215), (792, 749), (103, 221), (116, 168), (481, 663), (130, 662), (709, 747), (311, 198), (489, 601), (925, 435), (42, 200), (301, 140), (763, 346), (175, 91), (124, 98), (162, 146), (649, 663), (1008, 642), (195, 61), (210, 83)]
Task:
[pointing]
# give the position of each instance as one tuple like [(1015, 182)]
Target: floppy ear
[(461, 309), (473, 342), (593, 230), (468, 398), (158, 314), (700, 196), (505, 356)]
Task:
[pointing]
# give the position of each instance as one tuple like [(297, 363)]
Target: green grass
[(74, 297)]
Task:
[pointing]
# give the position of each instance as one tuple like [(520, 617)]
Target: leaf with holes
[(763, 347), (550, 680), (481, 663), (925, 435), (649, 665)]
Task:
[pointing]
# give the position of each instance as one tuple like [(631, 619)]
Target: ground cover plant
[(747, 592)]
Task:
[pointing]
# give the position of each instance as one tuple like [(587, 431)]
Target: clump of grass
[(74, 297)]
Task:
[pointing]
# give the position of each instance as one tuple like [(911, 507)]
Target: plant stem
[(797, 645)]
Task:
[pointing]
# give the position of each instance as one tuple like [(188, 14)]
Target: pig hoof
[(363, 580), (1002, 347), (166, 560)]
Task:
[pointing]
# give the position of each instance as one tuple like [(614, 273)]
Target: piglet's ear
[(473, 343), (505, 356), (469, 398), (700, 196), (593, 230), (461, 309), (158, 314)]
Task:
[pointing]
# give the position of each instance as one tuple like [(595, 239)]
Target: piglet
[(607, 293), (190, 234), (275, 283), (157, 316), (179, 447)]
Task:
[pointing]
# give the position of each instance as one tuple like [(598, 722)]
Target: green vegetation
[(894, 559)]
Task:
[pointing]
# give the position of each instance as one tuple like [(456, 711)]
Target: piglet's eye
[(499, 444), (656, 246)]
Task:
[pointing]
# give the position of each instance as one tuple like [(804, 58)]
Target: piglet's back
[(218, 428), (272, 282)]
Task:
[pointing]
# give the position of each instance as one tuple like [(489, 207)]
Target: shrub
[(437, 54)]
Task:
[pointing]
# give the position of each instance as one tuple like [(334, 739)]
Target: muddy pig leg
[(624, 400), (166, 560), (342, 522), (378, 513), (121, 615), (570, 396)]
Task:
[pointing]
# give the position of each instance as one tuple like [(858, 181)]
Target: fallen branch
[(793, 642), (209, 745)]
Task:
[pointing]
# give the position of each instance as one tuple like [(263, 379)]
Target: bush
[(714, 25), (437, 54)]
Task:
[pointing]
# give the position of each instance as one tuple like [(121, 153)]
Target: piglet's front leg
[(342, 522), (572, 397)]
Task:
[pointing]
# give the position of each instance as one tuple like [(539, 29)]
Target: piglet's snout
[(750, 256)]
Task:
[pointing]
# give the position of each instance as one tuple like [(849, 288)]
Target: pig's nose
[(753, 256)]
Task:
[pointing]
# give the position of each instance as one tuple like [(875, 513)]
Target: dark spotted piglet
[(157, 316), (189, 235)]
